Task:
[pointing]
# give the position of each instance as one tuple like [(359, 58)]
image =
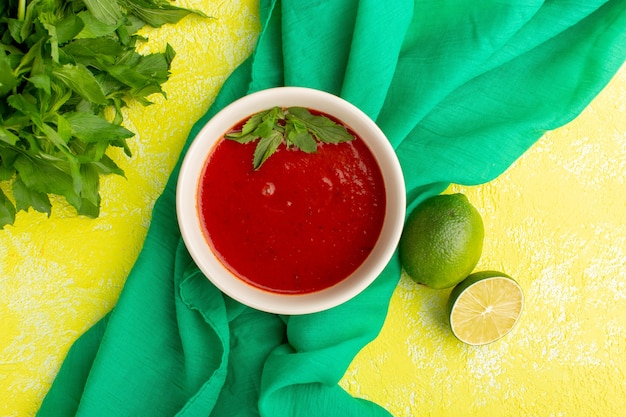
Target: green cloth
[(462, 88)]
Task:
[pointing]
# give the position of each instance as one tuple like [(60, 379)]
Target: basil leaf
[(90, 184), (26, 198), (45, 177), (253, 122), (324, 129), (7, 79), (299, 136), (15, 29), (91, 128), (7, 210), (89, 208), (94, 28), (106, 165), (304, 141), (57, 139), (93, 51), (68, 28), (24, 105), (250, 137), (7, 137), (249, 127), (265, 148), (106, 11), (82, 81), (7, 157), (156, 13), (42, 82), (266, 127)]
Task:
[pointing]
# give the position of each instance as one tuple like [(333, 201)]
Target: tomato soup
[(301, 223)]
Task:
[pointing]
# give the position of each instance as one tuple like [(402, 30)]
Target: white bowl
[(192, 230)]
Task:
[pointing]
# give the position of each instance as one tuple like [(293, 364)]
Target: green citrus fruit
[(442, 241), (484, 307)]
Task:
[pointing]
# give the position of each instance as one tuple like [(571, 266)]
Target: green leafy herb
[(63, 63), (294, 126)]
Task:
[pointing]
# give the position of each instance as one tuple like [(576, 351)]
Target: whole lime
[(442, 241)]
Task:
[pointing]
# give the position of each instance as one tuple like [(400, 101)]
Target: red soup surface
[(301, 222)]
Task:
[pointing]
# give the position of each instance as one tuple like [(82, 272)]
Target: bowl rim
[(189, 219)]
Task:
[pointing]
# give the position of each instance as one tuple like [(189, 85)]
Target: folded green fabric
[(461, 88)]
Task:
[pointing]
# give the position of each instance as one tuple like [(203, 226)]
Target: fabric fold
[(539, 90), (460, 88)]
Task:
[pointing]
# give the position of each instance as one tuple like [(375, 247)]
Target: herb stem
[(21, 10)]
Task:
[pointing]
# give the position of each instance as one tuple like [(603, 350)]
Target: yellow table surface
[(555, 220)]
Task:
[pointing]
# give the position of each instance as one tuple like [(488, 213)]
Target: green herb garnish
[(293, 126), (62, 64)]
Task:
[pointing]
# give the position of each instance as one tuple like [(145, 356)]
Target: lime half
[(484, 307)]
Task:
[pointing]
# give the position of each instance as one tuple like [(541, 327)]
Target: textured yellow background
[(556, 221)]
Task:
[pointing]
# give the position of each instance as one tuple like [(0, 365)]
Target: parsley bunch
[(62, 64), (294, 126)]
